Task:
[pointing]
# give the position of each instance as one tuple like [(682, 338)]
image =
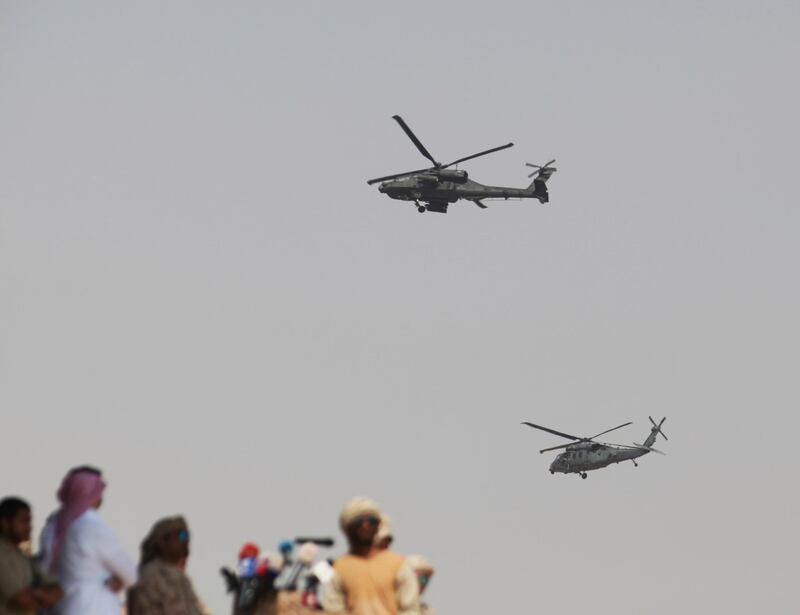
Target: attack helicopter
[(434, 188), (585, 454)]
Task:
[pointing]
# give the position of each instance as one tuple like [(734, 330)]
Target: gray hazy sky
[(200, 293)]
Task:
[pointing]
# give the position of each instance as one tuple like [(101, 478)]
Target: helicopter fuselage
[(583, 457), (437, 191)]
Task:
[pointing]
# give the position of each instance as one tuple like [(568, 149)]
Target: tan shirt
[(163, 589), (17, 572), (383, 584)]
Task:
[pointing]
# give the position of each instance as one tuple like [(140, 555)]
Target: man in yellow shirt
[(368, 580)]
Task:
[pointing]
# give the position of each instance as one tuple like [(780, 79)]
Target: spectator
[(385, 536), (368, 580), (163, 587), (86, 555), (24, 588), (48, 534), (424, 571)]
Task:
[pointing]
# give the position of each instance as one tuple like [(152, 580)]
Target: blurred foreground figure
[(368, 580), (424, 571), (85, 554), (253, 585), (24, 588), (163, 587), (385, 535)]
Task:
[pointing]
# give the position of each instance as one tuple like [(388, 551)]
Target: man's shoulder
[(10, 555), (16, 571), (392, 557), (384, 558), (91, 523), (347, 558)]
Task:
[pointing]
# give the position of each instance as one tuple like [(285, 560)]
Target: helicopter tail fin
[(654, 431), (538, 187), (539, 190)]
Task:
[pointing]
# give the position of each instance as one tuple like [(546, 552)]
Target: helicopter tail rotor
[(543, 171), (657, 427), (654, 431)]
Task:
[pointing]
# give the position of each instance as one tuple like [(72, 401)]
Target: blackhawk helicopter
[(586, 454), (434, 188)]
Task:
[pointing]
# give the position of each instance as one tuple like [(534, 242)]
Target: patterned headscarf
[(79, 492), (161, 528)]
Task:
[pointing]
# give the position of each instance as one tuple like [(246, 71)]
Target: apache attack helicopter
[(438, 186), (586, 454)]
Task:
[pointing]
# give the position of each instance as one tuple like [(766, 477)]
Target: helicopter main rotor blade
[(552, 431), (553, 448), (612, 429), (414, 139), (395, 176), (488, 151)]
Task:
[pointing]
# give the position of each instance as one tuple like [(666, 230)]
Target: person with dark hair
[(24, 588), (369, 580), (163, 587)]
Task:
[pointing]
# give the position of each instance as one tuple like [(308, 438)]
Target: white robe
[(90, 556)]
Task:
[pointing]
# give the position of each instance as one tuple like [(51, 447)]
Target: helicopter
[(434, 188), (586, 454)]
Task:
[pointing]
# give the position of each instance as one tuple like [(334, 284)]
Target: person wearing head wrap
[(85, 553), (47, 537), (424, 571), (163, 587), (368, 580)]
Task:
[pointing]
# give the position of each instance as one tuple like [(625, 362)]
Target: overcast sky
[(200, 293)]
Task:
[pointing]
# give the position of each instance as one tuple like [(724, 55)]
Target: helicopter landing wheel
[(583, 475)]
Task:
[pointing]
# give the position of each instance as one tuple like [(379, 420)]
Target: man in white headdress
[(368, 580)]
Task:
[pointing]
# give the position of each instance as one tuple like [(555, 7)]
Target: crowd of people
[(81, 568)]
